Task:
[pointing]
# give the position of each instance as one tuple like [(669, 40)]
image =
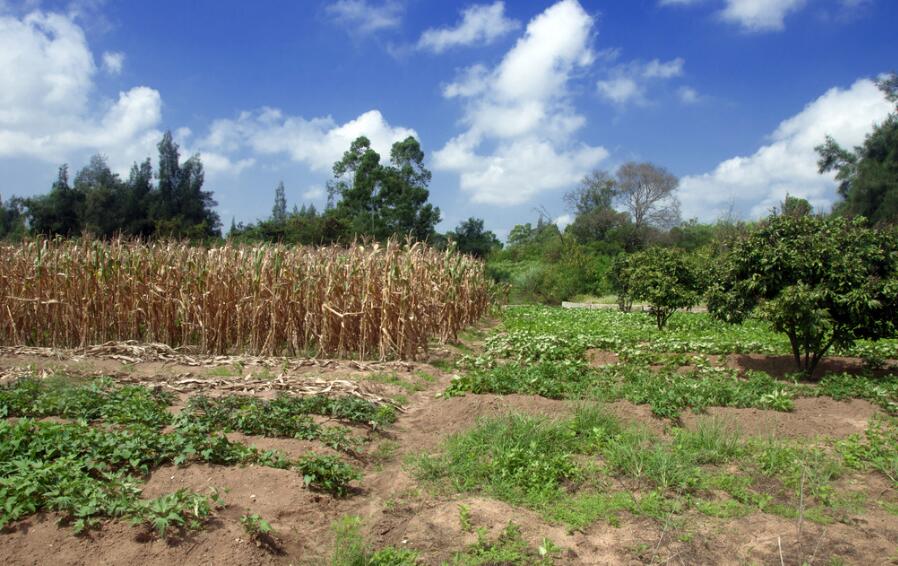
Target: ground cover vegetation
[(89, 463), (592, 467), (543, 351)]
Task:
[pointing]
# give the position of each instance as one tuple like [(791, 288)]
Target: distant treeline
[(367, 199), (169, 202)]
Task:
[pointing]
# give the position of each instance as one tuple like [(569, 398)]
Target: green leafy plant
[(822, 281), (351, 549), (179, 510), (261, 533), (327, 473), (666, 279)]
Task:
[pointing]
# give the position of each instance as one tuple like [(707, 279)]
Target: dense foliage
[(100, 203), (821, 281), (868, 175), (367, 199), (666, 279)]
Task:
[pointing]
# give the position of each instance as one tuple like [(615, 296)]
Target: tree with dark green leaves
[(182, 208), (378, 200), (619, 278), (472, 239), (105, 198), (595, 218), (795, 206), (102, 204), (868, 175), (59, 212), (279, 210), (136, 219), (666, 279), (12, 218), (823, 281)]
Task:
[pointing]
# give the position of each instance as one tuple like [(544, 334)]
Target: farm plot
[(554, 437), (377, 301)]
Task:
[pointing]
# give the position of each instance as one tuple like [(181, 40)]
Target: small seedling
[(464, 518), (260, 532)]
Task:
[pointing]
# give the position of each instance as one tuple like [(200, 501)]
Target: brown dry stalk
[(378, 301)]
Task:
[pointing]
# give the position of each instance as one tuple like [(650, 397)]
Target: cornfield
[(367, 301)]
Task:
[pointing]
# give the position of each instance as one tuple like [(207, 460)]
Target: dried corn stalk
[(381, 301)]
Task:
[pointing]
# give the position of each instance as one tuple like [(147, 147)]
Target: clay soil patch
[(780, 366), (601, 358), (811, 418)]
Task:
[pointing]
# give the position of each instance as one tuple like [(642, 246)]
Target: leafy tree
[(596, 191), (472, 239), (279, 210), (692, 235), (648, 193), (59, 212), (795, 206), (105, 198), (619, 277), (378, 200), (403, 198), (822, 281), (12, 218), (103, 204), (136, 219), (520, 235), (592, 204), (868, 175), (666, 279), (183, 208)]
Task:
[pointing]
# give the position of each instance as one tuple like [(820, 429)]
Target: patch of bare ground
[(601, 358), (436, 531), (425, 425), (812, 417), (762, 538), (38, 540), (637, 414), (780, 366)]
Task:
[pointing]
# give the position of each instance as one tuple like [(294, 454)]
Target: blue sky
[(513, 103)]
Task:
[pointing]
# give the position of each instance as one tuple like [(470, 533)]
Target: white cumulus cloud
[(47, 106), (317, 142), (358, 16), (480, 24), (520, 123), (788, 163), (49, 109), (113, 62), (629, 83), (760, 15)]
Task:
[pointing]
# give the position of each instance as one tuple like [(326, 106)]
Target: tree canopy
[(868, 174), (473, 239), (101, 203), (823, 281), (381, 200), (665, 278)]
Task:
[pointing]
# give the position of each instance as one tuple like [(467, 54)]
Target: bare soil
[(397, 510)]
